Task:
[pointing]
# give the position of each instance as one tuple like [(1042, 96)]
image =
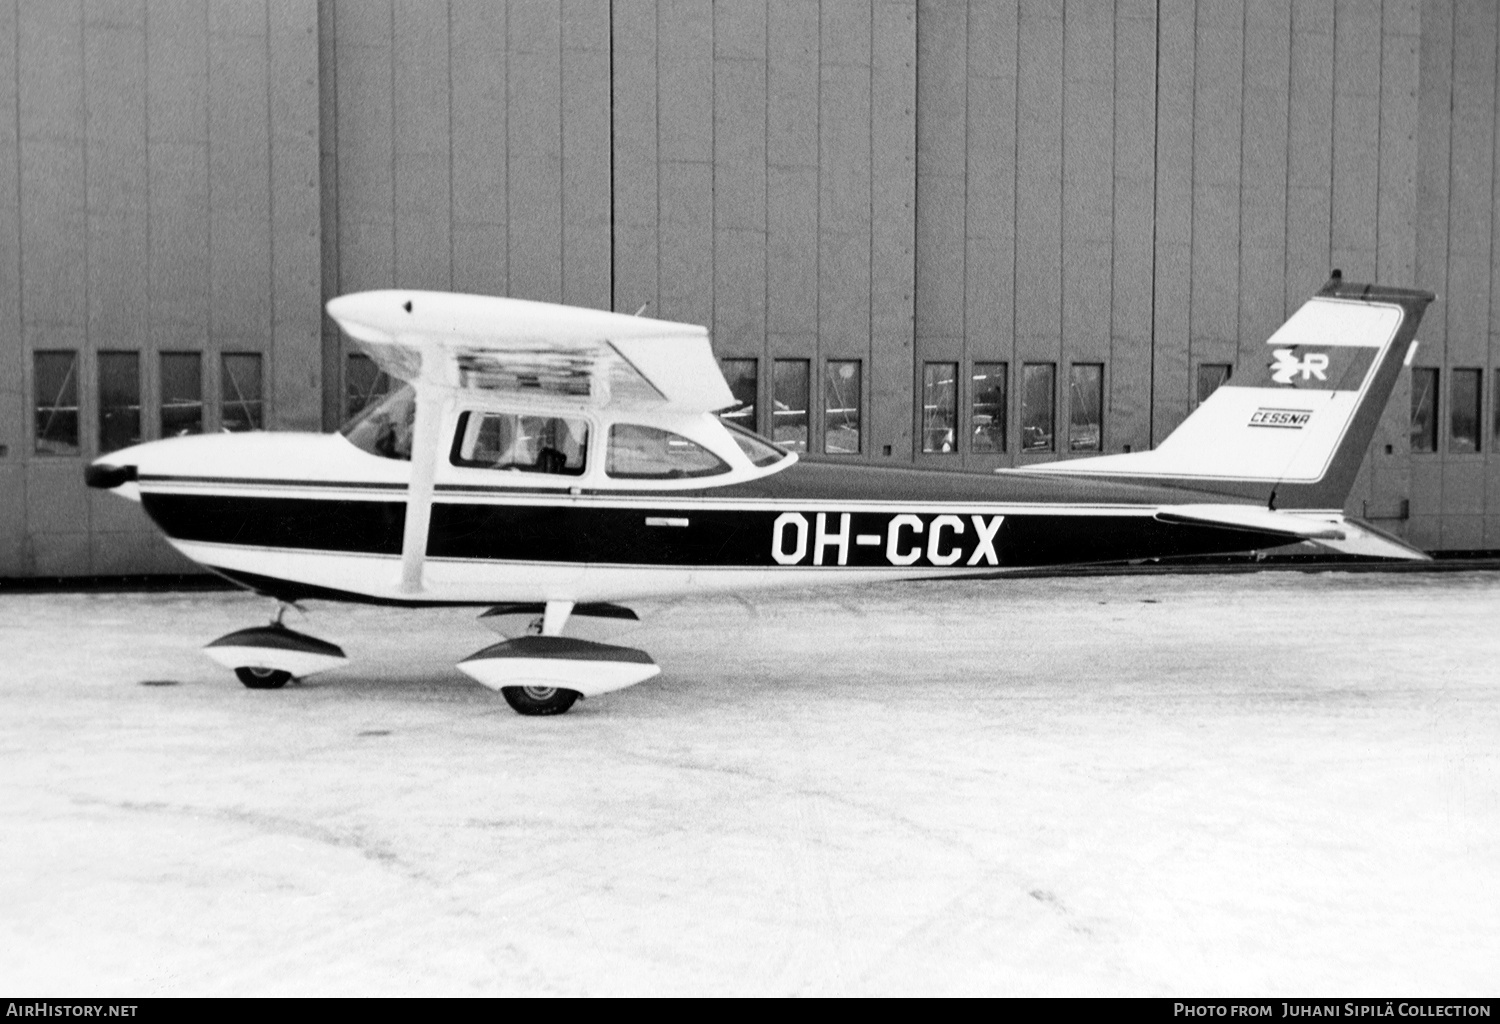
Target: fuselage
[(622, 507)]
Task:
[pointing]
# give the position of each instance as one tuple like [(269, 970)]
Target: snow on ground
[(1161, 785)]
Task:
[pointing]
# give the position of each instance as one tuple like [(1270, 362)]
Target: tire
[(539, 700), (263, 678)]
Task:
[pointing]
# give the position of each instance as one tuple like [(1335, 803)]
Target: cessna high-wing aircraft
[(556, 464)]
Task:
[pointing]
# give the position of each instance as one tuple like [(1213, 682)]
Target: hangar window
[(181, 393), (1424, 413), (789, 403), (119, 400), (525, 444), (841, 401), (743, 378), (365, 384), (647, 453), (55, 379), (1467, 411), (939, 407), (1086, 408), (1211, 377), (1038, 395), (241, 405), (987, 414)]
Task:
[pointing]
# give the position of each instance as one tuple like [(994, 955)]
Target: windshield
[(385, 429), (757, 449)]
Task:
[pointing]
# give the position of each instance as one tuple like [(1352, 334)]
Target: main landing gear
[(540, 672), (268, 657), (536, 669)]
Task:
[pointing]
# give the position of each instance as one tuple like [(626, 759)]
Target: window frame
[(725, 468), (74, 375), (102, 358), (859, 408), (517, 476), (970, 428), (1495, 410), (1437, 421), (757, 406), (1455, 374), (204, 405), (1198, 396), (807, 412), (1051, 448), (956, 423), (1073, 368), (225, 377)]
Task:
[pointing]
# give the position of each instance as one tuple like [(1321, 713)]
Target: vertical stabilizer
[(1292, 425)]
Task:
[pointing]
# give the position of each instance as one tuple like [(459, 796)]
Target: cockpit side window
[(647, 453), (523, 444), (385, 429)]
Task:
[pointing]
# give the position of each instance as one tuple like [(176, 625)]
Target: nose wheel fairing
[(275, 648)]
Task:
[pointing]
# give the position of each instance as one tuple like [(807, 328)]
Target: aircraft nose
[(106, 476)]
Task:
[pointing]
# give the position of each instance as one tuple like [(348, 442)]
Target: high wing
[(535, 348)]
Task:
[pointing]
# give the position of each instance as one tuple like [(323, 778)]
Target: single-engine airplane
[(554, 464)]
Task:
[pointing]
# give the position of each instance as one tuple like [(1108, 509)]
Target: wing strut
[(426, 440)]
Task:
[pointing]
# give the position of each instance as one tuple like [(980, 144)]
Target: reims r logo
[(1287, 366)]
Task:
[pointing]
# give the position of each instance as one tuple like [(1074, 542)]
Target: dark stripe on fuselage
[(318, 524), (724, 536)]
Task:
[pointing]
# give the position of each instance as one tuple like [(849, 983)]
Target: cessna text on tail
[(556, 465)]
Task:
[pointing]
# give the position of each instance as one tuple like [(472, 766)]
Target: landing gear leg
[(541, 672)]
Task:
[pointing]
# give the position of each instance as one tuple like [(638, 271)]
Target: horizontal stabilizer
[(1365, 541), (1332, 531), (1253, 519)]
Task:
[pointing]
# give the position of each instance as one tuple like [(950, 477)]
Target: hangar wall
[(1145, 186), (1455, 494), (158, 193)]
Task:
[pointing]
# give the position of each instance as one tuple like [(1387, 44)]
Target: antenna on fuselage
[(642, 309)]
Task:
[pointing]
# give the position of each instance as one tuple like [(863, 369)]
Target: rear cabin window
[(646, 453), (522, 444)]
